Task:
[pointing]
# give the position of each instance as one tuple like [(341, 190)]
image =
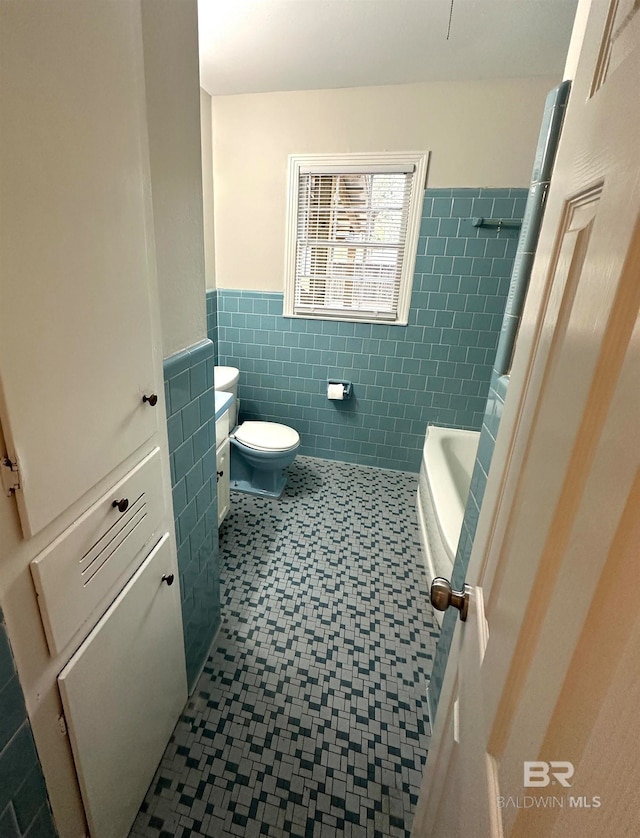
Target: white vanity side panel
[(223, 482), (122, 694), (222, 428)]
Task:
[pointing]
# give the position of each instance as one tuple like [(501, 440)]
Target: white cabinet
[(81, 407), (76, 336), (222, 476), (122, 692)]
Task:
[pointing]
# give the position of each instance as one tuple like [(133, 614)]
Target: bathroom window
[(352, 233)]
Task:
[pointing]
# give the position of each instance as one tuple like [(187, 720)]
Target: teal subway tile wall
[(548, 139), (24, 806), (192, 450), (436, 370)]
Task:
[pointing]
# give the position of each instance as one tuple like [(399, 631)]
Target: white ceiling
[(252, 46)]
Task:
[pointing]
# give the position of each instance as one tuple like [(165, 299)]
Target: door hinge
[(62, 725), (10, 471)]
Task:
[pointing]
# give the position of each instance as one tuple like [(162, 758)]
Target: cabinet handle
[(121, 504), (219, 474), (152, 399), (168, 578)]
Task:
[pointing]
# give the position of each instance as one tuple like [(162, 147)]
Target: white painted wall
[(170, 31), (479, 133), (207, 188)]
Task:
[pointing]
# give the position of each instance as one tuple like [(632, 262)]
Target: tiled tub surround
[(552, 119), (192, 448), (24, 808), (545, 155), (435, 370), (309, 719)]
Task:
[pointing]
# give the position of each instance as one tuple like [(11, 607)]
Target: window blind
[(350, 241)]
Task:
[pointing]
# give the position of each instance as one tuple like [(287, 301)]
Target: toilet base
[(250, 489), (247, 478)]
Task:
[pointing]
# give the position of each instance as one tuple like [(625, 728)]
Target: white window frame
[(419, 160)]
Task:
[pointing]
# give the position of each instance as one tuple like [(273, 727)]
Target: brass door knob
[(443, 596)]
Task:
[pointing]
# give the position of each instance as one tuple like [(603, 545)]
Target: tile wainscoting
[(192, 449), (436, 370), (24, 807)]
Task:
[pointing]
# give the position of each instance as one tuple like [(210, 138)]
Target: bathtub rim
[(449, 518), (438, 551), (427, 556)]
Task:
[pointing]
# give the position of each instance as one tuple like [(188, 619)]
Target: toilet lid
[(267, 436)]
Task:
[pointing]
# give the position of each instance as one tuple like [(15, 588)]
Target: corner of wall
[(192, 449), (212, 321), (24, 806)]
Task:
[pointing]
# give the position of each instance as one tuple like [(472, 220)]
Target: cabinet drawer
[(222, 429), (77, 575)]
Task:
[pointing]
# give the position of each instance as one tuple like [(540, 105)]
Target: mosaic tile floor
[(309, 719)]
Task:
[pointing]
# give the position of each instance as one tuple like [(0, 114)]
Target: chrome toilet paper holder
[(347, 387)]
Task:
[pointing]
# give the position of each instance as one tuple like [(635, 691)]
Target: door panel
[(76, 347), (122, 694)]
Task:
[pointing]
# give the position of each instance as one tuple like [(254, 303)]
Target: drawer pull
[(152, 399), (121, 504), (168, 578), (219, 474)]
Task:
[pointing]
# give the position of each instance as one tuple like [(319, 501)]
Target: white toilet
[(260, 451)]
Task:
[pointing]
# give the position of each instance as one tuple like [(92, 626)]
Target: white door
[(76, 344), (537, 728)]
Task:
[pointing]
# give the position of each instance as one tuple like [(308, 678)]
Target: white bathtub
[(445, 476)]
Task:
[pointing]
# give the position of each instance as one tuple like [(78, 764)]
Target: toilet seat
[(267, 436)]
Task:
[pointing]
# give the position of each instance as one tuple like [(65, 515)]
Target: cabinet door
[(224, 491), (122, 694), (76, 348)]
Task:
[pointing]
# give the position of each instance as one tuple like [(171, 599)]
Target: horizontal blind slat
[(354, 314), (350, 245), (387, 168)]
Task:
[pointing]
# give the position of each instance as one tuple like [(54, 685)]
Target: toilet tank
[(226, 380)]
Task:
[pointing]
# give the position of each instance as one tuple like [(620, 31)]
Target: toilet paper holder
[(346, 387)]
